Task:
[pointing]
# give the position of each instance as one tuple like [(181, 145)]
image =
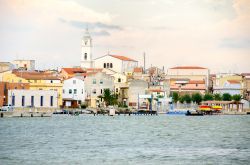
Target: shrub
[(196, 98), (208, 97), (217, 97), (236, 97), (226, 97), (175, 97)]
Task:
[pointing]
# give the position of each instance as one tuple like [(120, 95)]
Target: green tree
[(217, 97), (181, 99), (175, 97), (187, 98), (109, 98), (236, 97), (196, 98), (208, 97), (226, 97)]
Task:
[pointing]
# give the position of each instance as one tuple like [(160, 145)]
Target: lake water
[(162, 139)]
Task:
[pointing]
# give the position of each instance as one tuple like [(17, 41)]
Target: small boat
[(194, 113)]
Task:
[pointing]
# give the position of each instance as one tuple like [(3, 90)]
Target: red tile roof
[(73, 70), (234, 81), (33, 75), (138, 69), (188, 67), (156, 90), (123, 58)]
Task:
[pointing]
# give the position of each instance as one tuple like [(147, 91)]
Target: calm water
[(161, 139)]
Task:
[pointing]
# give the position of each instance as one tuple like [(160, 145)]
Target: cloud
[(100, 33), (90, 25), (235, 43)]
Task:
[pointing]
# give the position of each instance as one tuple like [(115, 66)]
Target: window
[(41, 101), (70, 91), (107, 65), (111, 65), (51, 81), (13, 101), (116, 90), (85, 56), (196, 85), (75, 91), (94, 81), (23, 101), (104, 65), (101, 91), (51, 101), (119, 79), (101, 81), (74, 81), (20, 81), (32, 101), (94, 91), (82, 91), (63, 91)]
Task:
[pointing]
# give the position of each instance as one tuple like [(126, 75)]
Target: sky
[(209, 33)]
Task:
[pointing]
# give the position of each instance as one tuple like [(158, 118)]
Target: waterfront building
[(188, 79), (24, 64), (95, 83), (228, 83), (246, 85), (33, 98), (86, 56), (73, 92), (136, 88), (37, 80), (5, 86), (138, 74), (67, 73), (117, 63)]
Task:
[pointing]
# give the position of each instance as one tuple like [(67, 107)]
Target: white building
[(86, 57), (33, 98), (73, 91), (25, 64), (120, 64)]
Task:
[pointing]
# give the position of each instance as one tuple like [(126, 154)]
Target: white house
[(26, 64), (73, 91), (33, 98), (120, 64)]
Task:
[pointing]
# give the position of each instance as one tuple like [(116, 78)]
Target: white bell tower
[(86, 57)]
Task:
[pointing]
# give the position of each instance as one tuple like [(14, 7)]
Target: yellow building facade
[(37, 81)]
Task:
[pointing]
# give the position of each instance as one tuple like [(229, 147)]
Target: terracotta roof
[(156, 90), (138, 69), (73, 70), (32, 75), (196, 82), (123, 58), (188, 67), (234, 81)]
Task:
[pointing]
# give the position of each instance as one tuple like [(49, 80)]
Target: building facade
[(32, 98), (24, 64), (120, 64), (73, 92)]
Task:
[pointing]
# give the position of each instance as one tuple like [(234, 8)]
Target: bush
[(217, 97), (187, 98), (226, 97), (236, 97), (196, 98), (181, 99), (208, 97), (175, 97)]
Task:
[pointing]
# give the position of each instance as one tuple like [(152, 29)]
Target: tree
[(181, 99), (175, 97), (236, 97), (196, 98), (187, 98), (217, 97), (208, 97), (226, 97), (109, 98)]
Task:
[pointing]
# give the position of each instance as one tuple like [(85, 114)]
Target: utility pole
[(144, 62)]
